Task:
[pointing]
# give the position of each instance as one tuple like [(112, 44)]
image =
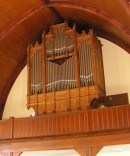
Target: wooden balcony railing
[(86, 121)]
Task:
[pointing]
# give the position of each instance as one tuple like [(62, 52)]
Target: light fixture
[(33, 114)]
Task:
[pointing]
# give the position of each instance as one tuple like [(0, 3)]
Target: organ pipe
[(86, 67), (54, 79), (36, 74)]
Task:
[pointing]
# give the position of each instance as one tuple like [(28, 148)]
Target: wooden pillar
[(11, 126)]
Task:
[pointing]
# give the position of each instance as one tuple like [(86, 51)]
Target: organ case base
[(65, 100)]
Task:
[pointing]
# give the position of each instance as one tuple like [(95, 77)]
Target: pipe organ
[(65, 71)]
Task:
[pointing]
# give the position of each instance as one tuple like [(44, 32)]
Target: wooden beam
[(80, 143), (93, 10)]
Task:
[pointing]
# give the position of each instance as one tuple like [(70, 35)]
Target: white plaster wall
[(116, 67), (117, 79), (16, 101)]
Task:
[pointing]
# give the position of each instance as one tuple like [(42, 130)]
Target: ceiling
[(22, 22)]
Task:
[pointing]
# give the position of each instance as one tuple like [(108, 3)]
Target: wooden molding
[(113, 39), (80, 143)]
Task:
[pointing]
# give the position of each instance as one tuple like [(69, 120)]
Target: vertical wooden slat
[(114, 117), (67, 124), (58, 124), (95, 119), (118, 120), (46, 125), (11, 126), (90, 120), (120, 117), (82, 122), (128, 115), (109, 118), (105, 121), (100, 119), (77, 123), (50, 125), (87, 123), (54, 125), (27, 132)]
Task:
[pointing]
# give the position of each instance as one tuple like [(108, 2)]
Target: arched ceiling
[(23, 21)]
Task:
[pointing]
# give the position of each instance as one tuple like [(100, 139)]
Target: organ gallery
[(65, 71)]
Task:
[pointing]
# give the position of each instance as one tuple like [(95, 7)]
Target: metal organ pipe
[(60, 77), (32, 76), (81, 65), (86, 67), (40, 73), (70, 44), (36, 74), (60, 45), (49, 48), (63, 75), (91, 66)]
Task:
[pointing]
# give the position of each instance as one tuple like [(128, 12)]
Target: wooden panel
[(69, 123), (62, 105), (5, 129), (86, 121), (118, 99), (59, 101), (59, 126), (99, 65)]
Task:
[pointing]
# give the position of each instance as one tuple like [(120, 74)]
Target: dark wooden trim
[(24, 17), (113, 40), (65, 142), (54, 11), (94, 10), (78, 5)]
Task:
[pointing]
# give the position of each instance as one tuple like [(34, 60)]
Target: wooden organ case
[(65, 71)]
